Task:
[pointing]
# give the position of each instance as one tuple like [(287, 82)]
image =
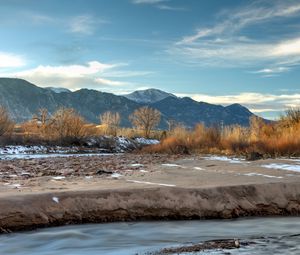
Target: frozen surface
[(288, 167), (224, 158), (264, 175)]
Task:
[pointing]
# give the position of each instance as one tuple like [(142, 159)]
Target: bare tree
[(145, 118), (111, 120), (68, 125), (171, 124), (6, 123), (42, 117), (256, 126), (292, 115)]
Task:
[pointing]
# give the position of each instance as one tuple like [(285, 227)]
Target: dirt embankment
[(29, 211)]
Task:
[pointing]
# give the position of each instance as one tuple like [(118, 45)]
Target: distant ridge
[(23, 99)]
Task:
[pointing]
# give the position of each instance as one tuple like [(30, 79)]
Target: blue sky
[(218, 51)]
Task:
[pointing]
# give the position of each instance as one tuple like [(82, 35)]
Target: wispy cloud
[(170, 8), (111, 82), (272, 70), (148, 1), (90, 75), (8, 60), (160, 4), (223, 44), (249, 15), (84, 24)]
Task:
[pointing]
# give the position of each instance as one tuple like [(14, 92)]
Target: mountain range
[(23, 99)]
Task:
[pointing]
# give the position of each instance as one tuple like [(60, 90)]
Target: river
[(275, 235)]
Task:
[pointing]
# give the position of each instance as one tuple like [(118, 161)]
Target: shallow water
[(278, 235)]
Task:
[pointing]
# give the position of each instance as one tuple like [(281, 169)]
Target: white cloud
[(111, 82), (287, 48), (252, 14), (70, 71), (224, 45), (170, 8), (11, 60), (160, 4), (84, 24), (90, 75), (272, 70), (148, 1)]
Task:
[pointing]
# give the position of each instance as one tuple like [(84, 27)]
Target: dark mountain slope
[(23, 100)]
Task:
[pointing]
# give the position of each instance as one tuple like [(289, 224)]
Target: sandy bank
[(56, 191), (29, 211)]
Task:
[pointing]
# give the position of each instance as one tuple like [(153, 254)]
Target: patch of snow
[(143, 171), (288, 167), (17, 186), (198, 168), (116, 175), (25, 173), (55, 199), (58, 177), (171, 165), (263, 175), (152, 183), (145, 141), (136, 165), (89, 177), (13, 176), (227, 159)]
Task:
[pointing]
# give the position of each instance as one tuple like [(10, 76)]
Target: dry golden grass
[(280, 138)]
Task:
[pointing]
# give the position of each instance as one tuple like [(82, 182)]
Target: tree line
[(68, 126)]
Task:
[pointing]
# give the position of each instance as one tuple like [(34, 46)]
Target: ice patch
[(264, 175), (143, 171), (88, 177), (288, 167), (152, 183), (116, 175), (224, 158), (55, 199), (58, 177)]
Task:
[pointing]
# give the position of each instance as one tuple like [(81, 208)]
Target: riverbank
[(146, 187)]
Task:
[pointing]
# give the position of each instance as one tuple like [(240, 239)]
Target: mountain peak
[(58, 89), (148, 96)]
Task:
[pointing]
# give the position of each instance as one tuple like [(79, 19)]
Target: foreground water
[(280, 235)]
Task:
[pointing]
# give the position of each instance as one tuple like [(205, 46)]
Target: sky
[(217, 51)]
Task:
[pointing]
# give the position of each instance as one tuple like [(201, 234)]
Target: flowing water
[(279, 235)]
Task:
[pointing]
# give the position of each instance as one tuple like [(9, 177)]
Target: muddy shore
[(187, 188)]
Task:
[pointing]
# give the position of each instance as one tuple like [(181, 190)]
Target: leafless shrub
[(6, 123), (110, 121)]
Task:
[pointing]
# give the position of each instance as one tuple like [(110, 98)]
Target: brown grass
[(281, 138)]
